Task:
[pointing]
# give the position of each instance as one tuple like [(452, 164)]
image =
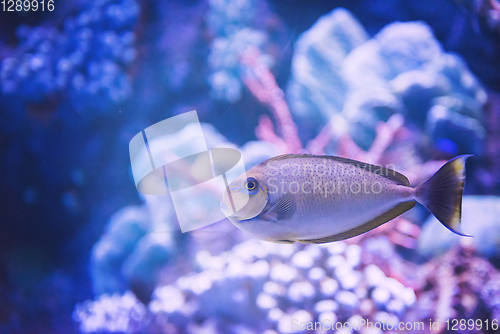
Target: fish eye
[(251, 184)]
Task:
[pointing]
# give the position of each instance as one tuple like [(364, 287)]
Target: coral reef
[(461, 286), (78, 83), (234, 25), (111, 314), (260, 286), (85, 62), (263, 86), (128, 254), (317, 89), (401, 70), (263, 286)]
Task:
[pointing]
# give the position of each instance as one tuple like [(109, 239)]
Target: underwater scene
[(166, 166)]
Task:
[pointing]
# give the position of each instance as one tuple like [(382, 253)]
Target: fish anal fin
[(281, 210), (383, 218), (283, 241), (379, 170)]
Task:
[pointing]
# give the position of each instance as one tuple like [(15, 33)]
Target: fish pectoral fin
[(383, 218), (282, 210)]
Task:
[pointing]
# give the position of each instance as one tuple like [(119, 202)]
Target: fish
[(319, 198)]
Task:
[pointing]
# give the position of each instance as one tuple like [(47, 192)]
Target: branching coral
[(261, 82)]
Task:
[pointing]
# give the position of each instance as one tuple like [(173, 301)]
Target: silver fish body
[(322, 198)]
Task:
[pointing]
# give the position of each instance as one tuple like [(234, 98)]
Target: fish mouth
[(241, 207)]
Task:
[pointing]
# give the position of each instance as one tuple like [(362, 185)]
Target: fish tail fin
[(442, 193)]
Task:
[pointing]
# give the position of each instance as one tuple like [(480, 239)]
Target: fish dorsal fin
[(282, 210), (379, 170), (383, 218)]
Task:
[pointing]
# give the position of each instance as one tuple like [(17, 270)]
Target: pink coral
[(262, 84)]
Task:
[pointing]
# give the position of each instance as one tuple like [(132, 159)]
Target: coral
[(111, 314), (260, 285), (406, 62), (233, 25), (316, 89), (225, 81), (127, 254), (459, 286), (86, 62), (263, 86), (401, 70)]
